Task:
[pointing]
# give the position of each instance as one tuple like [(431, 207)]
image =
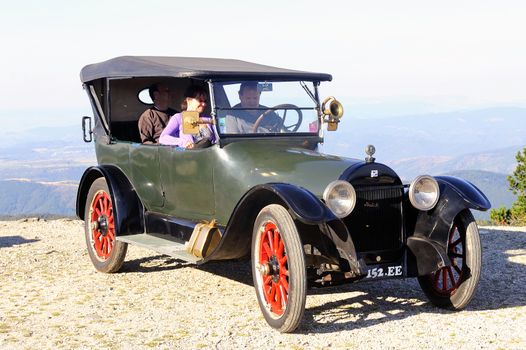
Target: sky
[(386, 57)]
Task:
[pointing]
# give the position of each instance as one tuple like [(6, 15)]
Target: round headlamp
[(424, 192), (340, 198)]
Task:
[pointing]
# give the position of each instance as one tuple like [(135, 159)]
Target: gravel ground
[(52, 297)]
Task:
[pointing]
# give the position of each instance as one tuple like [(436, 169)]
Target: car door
[(144, 164), (187, 181)]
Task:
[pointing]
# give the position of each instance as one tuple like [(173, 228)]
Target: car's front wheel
[(453, 286), (106, 253), (278, 268)]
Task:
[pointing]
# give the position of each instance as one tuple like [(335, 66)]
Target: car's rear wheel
[(278, 268), (106, 253), (453, 286)]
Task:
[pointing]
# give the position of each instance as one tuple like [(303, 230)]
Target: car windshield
[(265, 107)]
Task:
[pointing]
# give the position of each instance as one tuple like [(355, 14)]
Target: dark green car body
[(208, 183)]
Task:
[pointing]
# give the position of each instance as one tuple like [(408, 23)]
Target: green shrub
[(500, 216), (516, 215), (518, 212), (518, 187)]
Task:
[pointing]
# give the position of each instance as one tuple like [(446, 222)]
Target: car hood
[(258, 162)]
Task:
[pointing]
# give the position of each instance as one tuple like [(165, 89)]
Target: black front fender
[(468, 193), (127, 207), (430, 238), (303, 206)]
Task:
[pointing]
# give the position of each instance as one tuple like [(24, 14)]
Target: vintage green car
[(262, 190)]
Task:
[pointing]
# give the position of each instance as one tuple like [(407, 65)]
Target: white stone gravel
[(52, 298)]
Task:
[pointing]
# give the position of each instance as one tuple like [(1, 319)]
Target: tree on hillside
[(518, 187), (516, 215)]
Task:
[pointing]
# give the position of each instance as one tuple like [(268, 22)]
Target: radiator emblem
[(374, 173), (371, 205)]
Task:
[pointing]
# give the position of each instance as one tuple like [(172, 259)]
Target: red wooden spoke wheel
[(447, 279), (453, 286), (274, 269), (102, 224), (278, 268), (106, 252)]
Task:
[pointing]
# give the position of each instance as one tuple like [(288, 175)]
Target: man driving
[(245, 114)]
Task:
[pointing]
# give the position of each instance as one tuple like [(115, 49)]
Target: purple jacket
[(173, 133)]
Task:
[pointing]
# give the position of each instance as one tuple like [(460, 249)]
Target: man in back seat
[(154, 119)]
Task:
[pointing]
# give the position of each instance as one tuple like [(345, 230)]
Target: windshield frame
[(309, 136)]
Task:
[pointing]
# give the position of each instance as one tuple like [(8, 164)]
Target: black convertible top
[(191, 67)]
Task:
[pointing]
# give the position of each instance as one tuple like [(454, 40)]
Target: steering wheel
[(278, 127)]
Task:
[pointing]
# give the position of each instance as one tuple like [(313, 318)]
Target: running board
[(160, 245)]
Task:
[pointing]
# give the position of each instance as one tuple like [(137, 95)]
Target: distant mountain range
[(23, 197), (450, 134), (500, 161), (40, 169)]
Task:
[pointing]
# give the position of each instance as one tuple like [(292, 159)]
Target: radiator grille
[(376, 221), (379, 193)]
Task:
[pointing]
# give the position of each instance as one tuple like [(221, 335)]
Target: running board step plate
[(160, 245)]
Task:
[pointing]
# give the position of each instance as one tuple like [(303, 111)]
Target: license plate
[(384, 271)]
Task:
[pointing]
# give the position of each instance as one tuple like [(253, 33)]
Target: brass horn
[(335, 109)]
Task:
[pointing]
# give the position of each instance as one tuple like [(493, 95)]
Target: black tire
[(453, 287), (106, 253), (278, 270)]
